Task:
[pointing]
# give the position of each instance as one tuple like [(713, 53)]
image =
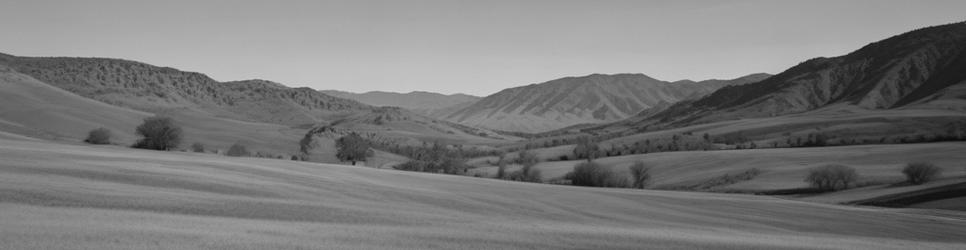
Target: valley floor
[(56, 196)]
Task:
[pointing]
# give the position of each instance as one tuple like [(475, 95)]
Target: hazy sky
[(474, 47)]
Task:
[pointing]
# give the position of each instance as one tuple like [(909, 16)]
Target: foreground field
[(55, 196)]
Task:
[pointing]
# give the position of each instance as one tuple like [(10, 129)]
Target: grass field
[(56, 196)]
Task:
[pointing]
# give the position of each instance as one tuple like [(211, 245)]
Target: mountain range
[(426, 103), (570, 101)]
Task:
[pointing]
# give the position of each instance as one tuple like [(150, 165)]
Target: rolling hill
[(208, 111), (140, 199), (577, 100), (32, 108), (425, 103)]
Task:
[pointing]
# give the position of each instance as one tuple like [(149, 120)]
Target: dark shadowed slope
[(576, 100), (914, 67), (68, 197)]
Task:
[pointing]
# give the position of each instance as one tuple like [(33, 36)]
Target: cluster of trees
[(836, 177), (592, 174), (527, 173), (832, 177), (588, 148), (435, 159), (157, 133), (411, 151)]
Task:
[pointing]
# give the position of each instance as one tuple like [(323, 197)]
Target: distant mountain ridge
[(151, 88), (570, 101), (426, 103), (915, 67)]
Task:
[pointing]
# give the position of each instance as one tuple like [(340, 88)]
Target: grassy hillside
[(32, 108), (55, 196), (783, 168)]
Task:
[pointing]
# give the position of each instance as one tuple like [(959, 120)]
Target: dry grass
[(55, 196)]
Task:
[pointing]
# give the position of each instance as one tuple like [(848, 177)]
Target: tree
[(352, 148), (99, 136), (528, 173), (501, 166), (832, 177), (197, 147), (921, 172), (237, 150), (158, 133), (586, 148), (641, 174)]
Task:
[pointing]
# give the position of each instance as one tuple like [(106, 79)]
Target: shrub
[(921, 172), (832, 177), (591, 174), (641, 175), (197, 147), (237, 150), (158, 133), (99, 136)]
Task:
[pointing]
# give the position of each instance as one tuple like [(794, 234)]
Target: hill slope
[(576, 100), (133, 199), (916, 67), (32, 108), (154, 89), (426, 103)]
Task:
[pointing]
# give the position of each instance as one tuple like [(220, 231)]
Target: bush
[(158, 133), (99, 136), (237, 150), (197, 147), (832, 177), (641, 174), (591, 174), (921, 172)]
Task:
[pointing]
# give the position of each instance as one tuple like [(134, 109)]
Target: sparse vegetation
[(158, 133), (238, 150), (921, 172), (99, 136), (832, 177)]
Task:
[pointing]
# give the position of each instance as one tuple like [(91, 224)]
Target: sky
[(459, 46)]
